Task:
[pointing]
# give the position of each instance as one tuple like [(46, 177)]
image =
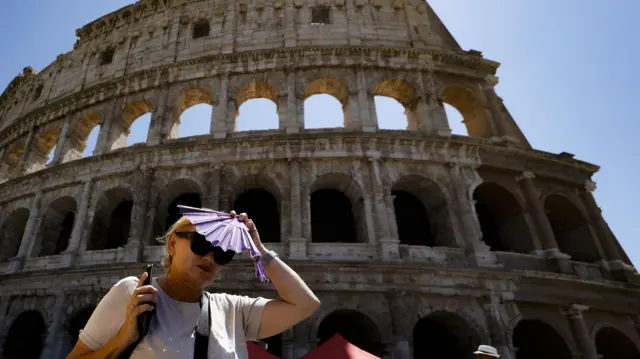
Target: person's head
[(189, 257), (486, 352)]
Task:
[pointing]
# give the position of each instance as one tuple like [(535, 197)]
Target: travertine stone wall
[(516, 246)]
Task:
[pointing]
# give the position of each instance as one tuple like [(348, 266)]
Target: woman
[(113, 326)]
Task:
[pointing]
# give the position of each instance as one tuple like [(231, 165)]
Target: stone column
[(580, 331), (62, 142), (368, 119), (161, 111), (219, 124), (143, 184), (391, 215), (212, 200), (495, 107), (305, 204), (607, 241), (352, 111), (80, 225), (290, 120), (433, 118), (387, 244), (114, 118), (297, 242), (543, 226), (24, 158), (27, 238), (55, 330)]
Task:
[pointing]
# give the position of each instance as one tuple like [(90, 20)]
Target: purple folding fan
[(225, 231)]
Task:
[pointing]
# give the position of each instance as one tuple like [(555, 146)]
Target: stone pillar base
[(292, 129), (16, 264), (558, 261), (298, 248), (132, 252), (369, 128), (486, 259), (68, 259), (219, 134), (389, 249)]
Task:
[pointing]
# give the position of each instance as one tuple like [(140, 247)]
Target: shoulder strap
[(201, 349)]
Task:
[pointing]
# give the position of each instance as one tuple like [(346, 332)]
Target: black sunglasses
[(201, 247)]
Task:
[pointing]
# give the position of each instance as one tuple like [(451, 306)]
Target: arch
[(82, 137), (571, 229), (248, 101), (502, 219), (613, 344), (11, 233), (422, 212), (26, 336), (323, 98), (41, 148), (337, 210), (77, 321), (356, 327), (181, 191), (263, 208), (112, 219), (11, 161), (405, 94), (536, 339), (470, 107), (192, 113), (57, 225), (133, 112), (456, 120), (444, 335)]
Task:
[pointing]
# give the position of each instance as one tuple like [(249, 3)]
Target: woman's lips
[(206, 267)]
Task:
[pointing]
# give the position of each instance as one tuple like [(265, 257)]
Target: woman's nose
[(209, 256)]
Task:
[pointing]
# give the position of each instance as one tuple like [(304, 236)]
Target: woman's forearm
[(111, 350), (290, 287)]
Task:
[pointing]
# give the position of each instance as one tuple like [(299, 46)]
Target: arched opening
[(51, 155), (456, 120), (332, 217), (612, 344), (187, 199), (444, 335), (112, 220), (355, 327), (257, 108), (325, 104), (471, 109), (139, 130), (406, 96), (571, 229), (422, 213), (11, 233), (134, 126), (502, 220), (89, 146), (56, 228), (182, 191), (262, 207), (534, 339), (11, 160), (193, 111), (43, 144), (26, 336)]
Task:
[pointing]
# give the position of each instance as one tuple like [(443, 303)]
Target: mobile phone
[(144, 319)]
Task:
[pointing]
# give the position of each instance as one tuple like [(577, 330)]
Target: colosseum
[(420, 243)]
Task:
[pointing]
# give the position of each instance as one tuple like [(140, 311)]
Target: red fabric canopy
[(258, 352), (338, 348)]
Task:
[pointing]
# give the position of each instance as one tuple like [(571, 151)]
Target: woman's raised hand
[(137, 304)]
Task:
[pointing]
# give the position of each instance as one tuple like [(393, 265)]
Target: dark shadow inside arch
[(502, 220), (56, 227), (77, 322), (332, 219), (571, 229), (612, 344), (112, 220), (534, 339), (262, 208), (412, 220), (443, 336), (355, 327), (11, 233), (173, 212), (26, 336)]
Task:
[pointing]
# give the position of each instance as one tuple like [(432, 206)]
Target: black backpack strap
[(201, 349)]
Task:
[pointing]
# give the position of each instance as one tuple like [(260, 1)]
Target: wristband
[(268, 257)]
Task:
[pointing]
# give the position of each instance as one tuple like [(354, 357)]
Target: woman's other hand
[(255, 236), (142, 295)]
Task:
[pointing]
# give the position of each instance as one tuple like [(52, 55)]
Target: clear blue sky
[(569, 77)]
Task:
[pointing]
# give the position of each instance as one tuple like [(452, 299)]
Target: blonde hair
[(182, 224)]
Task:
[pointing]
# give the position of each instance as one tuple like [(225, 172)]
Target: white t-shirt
[(234, 320)]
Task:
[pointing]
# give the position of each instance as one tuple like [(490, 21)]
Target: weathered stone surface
[(514, 236)]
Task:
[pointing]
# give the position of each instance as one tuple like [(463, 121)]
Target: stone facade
[(443, 242)]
